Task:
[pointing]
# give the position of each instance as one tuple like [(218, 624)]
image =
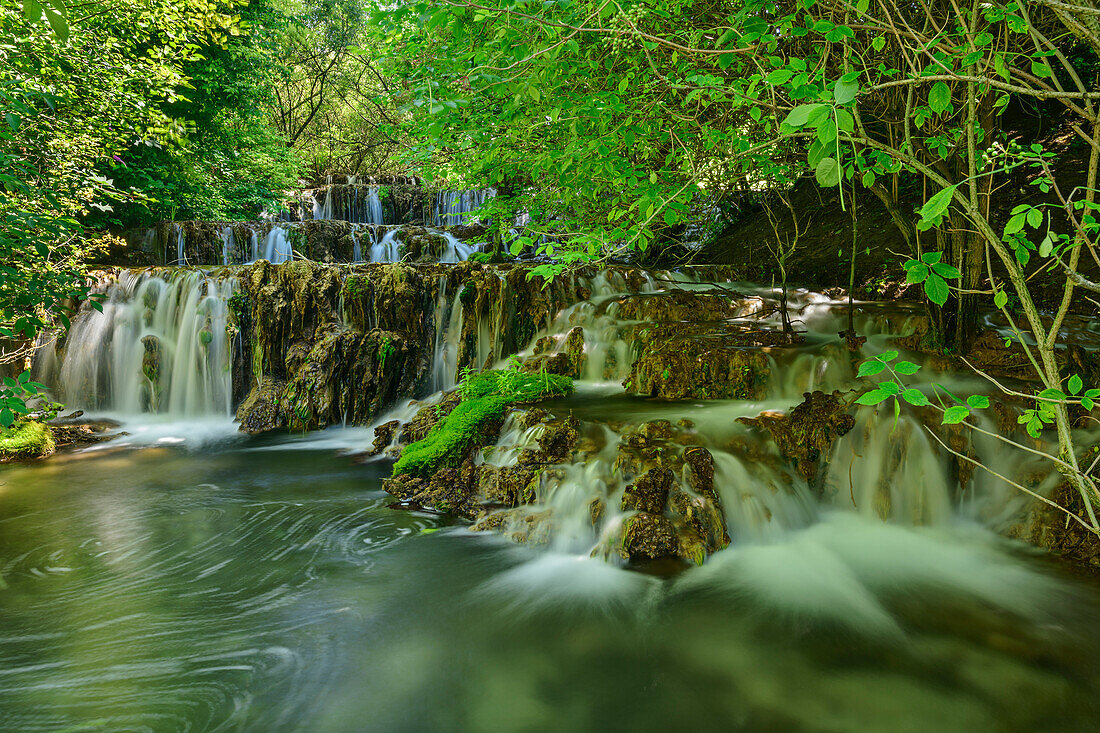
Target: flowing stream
[(188, 577)]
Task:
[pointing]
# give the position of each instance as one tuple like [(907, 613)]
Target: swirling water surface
[(265, 585)]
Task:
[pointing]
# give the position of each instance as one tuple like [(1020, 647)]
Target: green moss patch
[(486, 397), (26, 440), (514, 384)]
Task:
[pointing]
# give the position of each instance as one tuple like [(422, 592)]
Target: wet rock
[(686, 305), (805, 434), (508, 486), (261, 411), (1051, 529), (150, 368), (649, 492), (70, 432), (452, 490), (596, 509), (649, 537), (383, 436), (556, 441), (674, 366), (428, 417), (532, 417)]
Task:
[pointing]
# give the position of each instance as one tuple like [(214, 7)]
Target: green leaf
[(59, 25), (878, 43), (888, 356), (947, 272), (1000, 299), (779, 76), (978, 401), (956, 414), (828, 172), (934, 208), (873, 397), (801, 114), (917, 273), (906, 367), (845, 91), (1047, 245), (845, 122), (936, 289), (1052, 394), (939, 98), (1015, 223), (1075, 384), (915, 397), (870, 368), (1035, 218)]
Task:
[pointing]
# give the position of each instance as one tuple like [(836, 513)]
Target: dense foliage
[(616, 122), (78, 88)]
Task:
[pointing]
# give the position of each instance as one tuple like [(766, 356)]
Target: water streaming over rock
[(159, 345), (454, 207), (242, 585)]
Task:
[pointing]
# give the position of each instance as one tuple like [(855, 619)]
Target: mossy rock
[(486, 398), (26, 440), (674, 366), (447, 444), (262, 411), (805, 435)]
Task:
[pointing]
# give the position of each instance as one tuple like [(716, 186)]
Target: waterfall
[(351, 202), (227, 244), (453, 207), (455, 251), (181, 258), (386, 250), (158, 346), (357, 249), (277, 249), (374, 207)]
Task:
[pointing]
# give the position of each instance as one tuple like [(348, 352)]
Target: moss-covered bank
[(26, 440)]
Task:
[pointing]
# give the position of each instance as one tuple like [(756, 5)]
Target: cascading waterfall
[(386, 249), (885, 470), (181, 257), (227, 244), (158, 346), (351, 202), (277, 249), (455, 250), (451, 208)]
